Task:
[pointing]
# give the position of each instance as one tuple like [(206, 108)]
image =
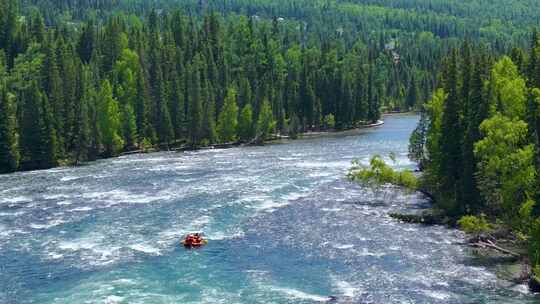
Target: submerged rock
[(534, 284), (424, 218)]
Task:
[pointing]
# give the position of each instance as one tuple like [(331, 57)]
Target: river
[(284, 226)]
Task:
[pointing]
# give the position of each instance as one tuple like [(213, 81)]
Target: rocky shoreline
[(500, 251)]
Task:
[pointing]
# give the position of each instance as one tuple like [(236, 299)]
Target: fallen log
[(491, 245)]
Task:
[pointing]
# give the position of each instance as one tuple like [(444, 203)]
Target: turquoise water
[(284, 226)]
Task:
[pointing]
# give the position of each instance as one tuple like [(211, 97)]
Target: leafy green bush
[(534, 245), (379, 173), (329, 121), (145, 144), (473, 224)]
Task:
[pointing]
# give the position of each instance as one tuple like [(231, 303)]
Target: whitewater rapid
[(284, 225)]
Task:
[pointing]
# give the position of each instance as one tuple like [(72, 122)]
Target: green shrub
[(473, 224), (145, 144), (329, 121), (534, 245), (379, 173)]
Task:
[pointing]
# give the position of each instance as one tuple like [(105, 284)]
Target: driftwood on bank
[(487, 243)]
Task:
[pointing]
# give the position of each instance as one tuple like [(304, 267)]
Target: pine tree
[(451, 136), (9, 29), (346, 109), (164, 123), (478, 111), (37, 27), (178, 114), (9, 146), (144, 128), (373, 105), (209, 123), (48, 141), (195, 107), (86, 43), (129, 126), (94, 141), (245, 123), (294, 127), (360, 94), (417, 142), (82, 130), (533, 68), (31, 124), (245, 94), (228, 121), (55, 93), (69, 73), (413, 94), (265, 123)]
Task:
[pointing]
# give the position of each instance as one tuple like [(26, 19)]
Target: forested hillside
[(88, 79), (478, 143)]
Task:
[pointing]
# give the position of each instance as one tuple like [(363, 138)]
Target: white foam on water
[(324, 164), (439, 295), (77, 245), (270, 206), (288, 158), (409, 229), (128, 159), (331, 209), (125, 282), (343, 246), (50, 224), (223, 163), (18, 213), (92, 250), (55, 196), (4, 231), (421, 256), (82, 209), (15, 200), (345, 288), (145, 249), (298, 294), (521, 288), (70, 178), (366, 252), (220, 235), (114, 300), (295, 195), (169, 167), (64, 203), (215, 296), (171, 236), (200, 222), (324, 173), (55, 255), (121, 196)]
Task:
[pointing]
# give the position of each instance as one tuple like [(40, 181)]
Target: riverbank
[(499, 250), (352, 131), (182, 146), (492, 244)]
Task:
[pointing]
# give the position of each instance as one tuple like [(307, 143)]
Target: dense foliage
[(87, 79), (478, 140)]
